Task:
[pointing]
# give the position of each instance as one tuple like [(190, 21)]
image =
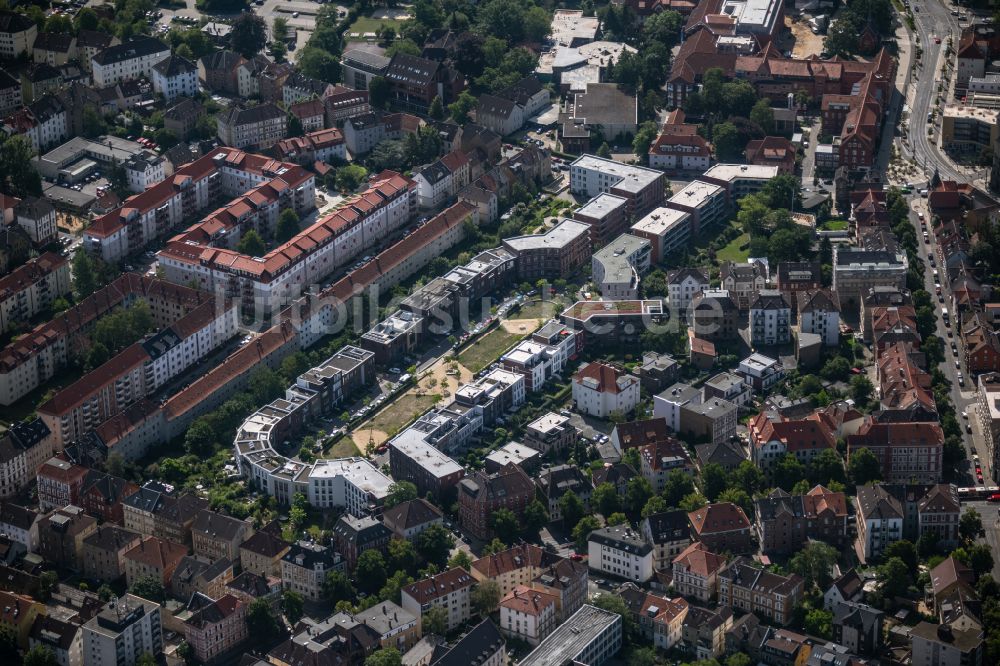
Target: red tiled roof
[(718, 518)]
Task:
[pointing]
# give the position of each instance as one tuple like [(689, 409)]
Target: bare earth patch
[(806, 43), (521, 326)]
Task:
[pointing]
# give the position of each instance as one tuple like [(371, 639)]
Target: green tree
[(970, 525), (435, 621), (350, 176), (814, 562), (486, 597), (261, 620), (384, 657), (637, 493), (200, 439), (727, 142), (692, 502), (40, 655), (714, 480), (863, 467), (86, 19), (654, 505), (17, 174), (904, 550), (505, 525), (606, 499), (604, 150), (146, 659), (399, 492), (93, 123), (678, 485), (401, 555), (861, 389), (461, 107), (186, 653), (738, 659), (279, 29), (85, 279), (819, 623), (319, 64), (535, 517), (749, 477), (826, 466), (738, 497), (291, 602), (644, 139), (460, 559), (370, 572), (893, 577), (379, 91), (613, 603), (435, 543), (980, 558), (617, 518), (149, 587), (248, 35), (337, 587), (251, 243), (788, 472), (571, 508), (436, 110), (763, 115), (581, 533), (392, 590)]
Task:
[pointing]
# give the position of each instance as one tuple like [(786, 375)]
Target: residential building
[(730, 387), (396, 627), (61, 535), (20, 524), (819, 313), (721, 527), (320, 145), (104, 552), (712, 419), (669, 534), (590, 636), (558, 253), (18, 616), (622, 552), (695, 572), (668, 403), (103, 495), (17, 34), (858, 627), (607, 216), (63, 639), (483, 645), (23, 448), (784, 522), (174, 77), (599, 106), (706, 203), (196, 575), (360, 67), (525, 457), (258, 127), (440, 181), (761, 372), (643, 188), (667, 229), (304, 568), (660, 458), (215, 536), (481, 495), (776, 151), (856, 272), (879, 519), (658, 619), (263, 551), (538, 569), (122, 631), (601, 390), (38, 218), (408, 519), (714, 316), (415, 82), (153, 557), (682, 286), (555, 482), (216, 628), (132, 60), (58, 483), (703, 632), (943, 645), (353, 536), (156, 510), (450, 590), (528, 615), (743, 281), (773, 436), (218, 71), (770, 319), (32, 288), (679, 147), (907, 452), (744, 587), (849, 587), (657, 371)]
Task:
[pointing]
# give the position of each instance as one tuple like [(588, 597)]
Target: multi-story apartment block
[(669, 534), (20, 524), (533, 567), (659, 619), (481, 495), (61, 535), (31, 288), (908, 452), (304, 568), (102, 496), (38, 218), (722, 527), (856, 272), (819, 313), (618, 267), (360, 67), (62, 638), (216, 628), (770, 319), (153, 557), (543, 355), (104, 552), (695, 572), (156, 510), (59, 482), (666, 229), (753, 590), (17, 34), (412, 458), (174, 77), (123, 630), (786, 522), (622, 552), (943, 645), (131, 60), (259, 127), (25, 446), (549, 432), (988, 410), (643, 188), (601, 390), (706, 203), (450, 590), (879, 519), (262, 552), (353, 536), (743, 281), (558, 253), (682, 286), (215, 536), (527, 615), (396, 627), (773, 436), (607, 216)]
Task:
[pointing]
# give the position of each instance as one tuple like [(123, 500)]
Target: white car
[(965, 415)]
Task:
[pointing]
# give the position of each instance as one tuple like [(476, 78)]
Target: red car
[(937, 40), (577, 557), (994, 498)]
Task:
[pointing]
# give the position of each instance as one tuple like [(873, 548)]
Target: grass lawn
[(343, 448), (368, 24), (734, 251), (538, 310), (834, 225), (488, 348), (398, 413)]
